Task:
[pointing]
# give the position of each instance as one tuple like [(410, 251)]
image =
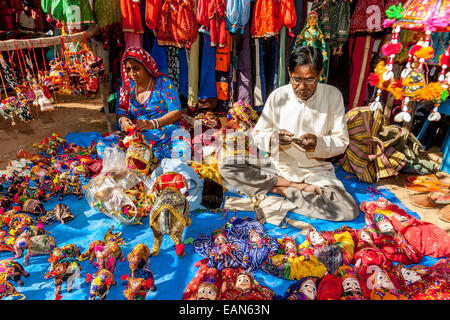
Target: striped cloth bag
[(367, 156)]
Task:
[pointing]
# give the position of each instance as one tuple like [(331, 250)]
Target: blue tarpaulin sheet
[(171, 273)]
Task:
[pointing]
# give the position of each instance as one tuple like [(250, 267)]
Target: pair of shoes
[(428, 200)]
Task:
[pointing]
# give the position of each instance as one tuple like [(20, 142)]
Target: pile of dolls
[(380, 261)]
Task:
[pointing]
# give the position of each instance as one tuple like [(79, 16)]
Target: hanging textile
[(148, 37), (131, 16), (339, 25), (312, 35), (177, 25), (77, 14), (238, 14), (108, 16), (192, 56), (265, 19), (260, 85), (244, 70), (207, 94), (152, 12), (223, 60), (211, 16), (368, 16), (173, 65), (288, 16)]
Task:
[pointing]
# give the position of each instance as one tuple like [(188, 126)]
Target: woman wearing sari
[(149, 102)]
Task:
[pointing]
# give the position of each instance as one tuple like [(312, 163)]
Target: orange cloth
[(266, 19), (131, 16)]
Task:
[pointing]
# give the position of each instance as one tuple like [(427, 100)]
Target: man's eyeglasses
[(307, 81)]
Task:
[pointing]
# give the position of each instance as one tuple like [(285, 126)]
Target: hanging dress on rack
[(108, 16), (211, 16), (265, 19)]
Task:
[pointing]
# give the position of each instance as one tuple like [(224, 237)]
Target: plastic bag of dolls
[(113, 158), (119, 193)]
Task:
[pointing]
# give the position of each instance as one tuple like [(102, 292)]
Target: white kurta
[(323, 115)]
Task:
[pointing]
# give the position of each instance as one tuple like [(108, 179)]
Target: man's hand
[(285, 137), (308, 141)]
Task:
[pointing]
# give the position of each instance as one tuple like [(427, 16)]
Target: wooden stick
[(48, 41), (362, 73)]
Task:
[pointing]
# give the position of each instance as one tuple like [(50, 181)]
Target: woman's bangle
[(155, 123)]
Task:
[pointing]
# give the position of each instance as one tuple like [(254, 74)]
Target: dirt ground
[(83, 115)]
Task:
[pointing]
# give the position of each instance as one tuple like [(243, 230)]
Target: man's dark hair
[(306, 55)]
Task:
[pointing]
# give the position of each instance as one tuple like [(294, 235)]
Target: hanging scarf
[(147, 61)]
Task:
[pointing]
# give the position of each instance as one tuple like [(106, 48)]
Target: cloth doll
[(303, 289), (380, 284), (426, 238), (428, 283), (324, 249), (351, 287), (206, 285), (312, 35), (289, 264), (244, 286), (139, 155), (329, 288), (366, 251), (392, 243), (249, 235), (218, 250)]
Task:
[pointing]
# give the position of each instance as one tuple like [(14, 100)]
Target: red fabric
[(177, 25), (131, 16), (152, 12), (330, 288), (288, 15), (211, 16), (368, 16), (171, 180), (204, 273), (356, 67), (426, 238), (147, 61), (266, 18)]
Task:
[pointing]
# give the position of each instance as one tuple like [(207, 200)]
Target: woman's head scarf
[(147, 61)]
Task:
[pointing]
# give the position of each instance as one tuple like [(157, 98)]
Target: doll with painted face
[(249, 236), (380, 284), (304, 289), (260, 247), (393, 244), (207, 290), (245, 287), (314, 239), (206, 285), (424, 237), (323, 248), (218, 251), (427, 283), (351, 288), (366, 252)]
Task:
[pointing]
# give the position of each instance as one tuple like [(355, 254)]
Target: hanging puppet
[(312, 35)]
